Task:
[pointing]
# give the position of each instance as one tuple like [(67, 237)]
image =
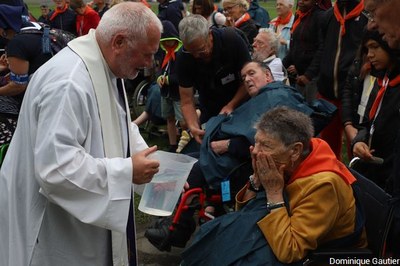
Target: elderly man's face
[(200, 48), (130, 60), (384, 16), (255, 77), (261, 48), (282, 8)]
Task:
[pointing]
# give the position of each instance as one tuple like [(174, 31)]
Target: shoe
[(163, 238), (159, 234)]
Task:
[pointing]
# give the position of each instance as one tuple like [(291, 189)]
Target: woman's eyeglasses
[(229, 8)]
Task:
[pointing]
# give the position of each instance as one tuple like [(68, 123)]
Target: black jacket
[(332, 74), (64, 21), (171, 10), (387, 124), (304, 44)]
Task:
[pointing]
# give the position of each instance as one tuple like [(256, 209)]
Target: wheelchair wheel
[(139, 98)]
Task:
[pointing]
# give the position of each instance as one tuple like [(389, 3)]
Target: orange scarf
[(145, 3), (242, 20), (383, 83), (169, 54), (353, 14), (300, 16), (322, 159), (58, 11), (282, 21)]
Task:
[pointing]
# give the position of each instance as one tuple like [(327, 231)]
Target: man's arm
[(18, 67), (189, 113), (239, 97)]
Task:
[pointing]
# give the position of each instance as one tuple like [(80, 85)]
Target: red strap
[(300, 16), (353, 14), (283, 21), (170, 53), (383, 83), (242, 19)]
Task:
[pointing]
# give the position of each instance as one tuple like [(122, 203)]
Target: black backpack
[(53, 40)]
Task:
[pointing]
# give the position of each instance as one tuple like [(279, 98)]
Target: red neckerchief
[(170, 53), (383, 83), (322, 159), (58, 11), (145, 3), (242, 20), (353, 14), (300, 16), (283, 21)]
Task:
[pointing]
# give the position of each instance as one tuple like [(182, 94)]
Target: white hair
[(273, 39), (288, 2), (132, 18), (193, 27)]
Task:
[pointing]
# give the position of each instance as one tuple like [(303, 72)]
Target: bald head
[(128, 36)]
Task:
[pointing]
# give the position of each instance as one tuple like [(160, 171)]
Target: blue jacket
[(259, 14), (240, 123)]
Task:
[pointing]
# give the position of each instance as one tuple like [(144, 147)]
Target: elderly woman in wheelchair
[(299, 198), (225, 145)]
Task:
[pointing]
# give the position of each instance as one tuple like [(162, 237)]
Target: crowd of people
[(258, 83)]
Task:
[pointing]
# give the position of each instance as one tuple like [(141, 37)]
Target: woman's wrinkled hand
[(270, 176)]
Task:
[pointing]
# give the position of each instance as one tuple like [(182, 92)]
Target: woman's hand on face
[(270, 176), (230, 22)]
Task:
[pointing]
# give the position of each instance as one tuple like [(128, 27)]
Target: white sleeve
[(69, 159), (138, 143)]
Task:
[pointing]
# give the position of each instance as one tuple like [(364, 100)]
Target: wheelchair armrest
[(324, 255)]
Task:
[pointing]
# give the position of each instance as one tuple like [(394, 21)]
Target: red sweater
[(89, 20)]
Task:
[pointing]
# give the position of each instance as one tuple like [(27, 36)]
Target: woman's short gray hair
[(273, 39), (193, 27), (131, 18), (287, 125)]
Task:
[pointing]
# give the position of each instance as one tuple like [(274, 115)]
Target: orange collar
[(283, 21), (300, 16), (321, 159), (353, 14), (58, 11)]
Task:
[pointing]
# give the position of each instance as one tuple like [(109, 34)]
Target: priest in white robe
[(67, 181)]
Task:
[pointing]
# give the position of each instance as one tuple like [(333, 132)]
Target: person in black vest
[(210, 62), (24, 56)]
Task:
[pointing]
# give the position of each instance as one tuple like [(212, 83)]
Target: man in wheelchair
[(225, 145)]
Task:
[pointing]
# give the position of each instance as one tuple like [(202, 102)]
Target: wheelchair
[(378, 211), (196, 200)]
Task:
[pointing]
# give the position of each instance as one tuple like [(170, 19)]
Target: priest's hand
[(144, 168)]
